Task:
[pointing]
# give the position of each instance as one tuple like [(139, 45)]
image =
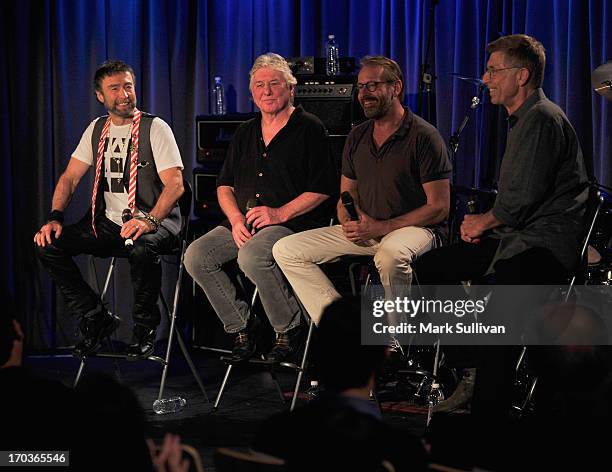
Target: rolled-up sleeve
[(434, 162)]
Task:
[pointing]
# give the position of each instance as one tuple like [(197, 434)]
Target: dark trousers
[(144, 259), (495, 364)]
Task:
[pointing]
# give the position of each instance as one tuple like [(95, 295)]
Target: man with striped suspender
[(138, 181)]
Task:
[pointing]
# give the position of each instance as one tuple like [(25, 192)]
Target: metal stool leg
[(79, 373), (529, 394), (172, 318), (107, 279), (434, 393), (302, 366), (218, 399), (532, 385), (191, 365), (111, 269), (230, 366), (173, 330)]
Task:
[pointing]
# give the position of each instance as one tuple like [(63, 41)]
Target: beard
[(127, 112), (377, 106)]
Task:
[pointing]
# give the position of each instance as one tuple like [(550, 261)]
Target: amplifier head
[(308, 65), (214, 133)]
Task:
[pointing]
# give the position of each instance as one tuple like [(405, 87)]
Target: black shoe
[(286, 345), (95, 327), (143, 343), (245, 343)]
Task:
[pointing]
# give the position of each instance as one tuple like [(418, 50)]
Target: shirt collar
[(297, 112), (404, 126), (526, 106), (406, 123)]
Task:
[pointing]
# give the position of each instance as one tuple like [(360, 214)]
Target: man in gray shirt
[(532, 233), (542, 185)]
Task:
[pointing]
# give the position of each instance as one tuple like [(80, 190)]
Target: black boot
[(287, 344), (95, 326), (245, 343), (143, 343)]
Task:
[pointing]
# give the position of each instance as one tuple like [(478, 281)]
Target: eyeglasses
[(492, 72), (372, 86)]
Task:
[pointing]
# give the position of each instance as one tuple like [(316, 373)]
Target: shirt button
[(265, 154), (257, 195), (260, 174)]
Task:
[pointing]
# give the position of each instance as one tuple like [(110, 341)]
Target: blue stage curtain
[(50, 49)]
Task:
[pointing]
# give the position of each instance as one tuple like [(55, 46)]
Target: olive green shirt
[(543, 184)]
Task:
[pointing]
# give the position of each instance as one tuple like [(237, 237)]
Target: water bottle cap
[(331, 36), (217, 78)]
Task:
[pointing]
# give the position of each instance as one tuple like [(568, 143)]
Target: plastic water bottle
[(169, 405), (332, 60), (218, 97)]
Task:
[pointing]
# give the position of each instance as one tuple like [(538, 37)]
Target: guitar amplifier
[(308, 65), (205, 203), (332, 99), (214, 133)]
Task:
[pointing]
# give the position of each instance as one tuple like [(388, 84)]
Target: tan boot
[(462, 394)]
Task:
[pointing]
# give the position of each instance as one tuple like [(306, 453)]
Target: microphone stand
[(426, 78), (453, 145)]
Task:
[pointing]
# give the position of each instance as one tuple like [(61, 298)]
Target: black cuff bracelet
[(154, 222), (56, 215)]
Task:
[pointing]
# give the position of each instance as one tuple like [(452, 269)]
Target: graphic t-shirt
[(165, 154)]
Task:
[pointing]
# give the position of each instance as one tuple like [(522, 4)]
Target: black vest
[(148, 184)]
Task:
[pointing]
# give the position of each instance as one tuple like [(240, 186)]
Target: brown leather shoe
[(245, 344), (287, 344)]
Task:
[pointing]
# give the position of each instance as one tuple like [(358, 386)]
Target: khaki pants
[(299, 255)]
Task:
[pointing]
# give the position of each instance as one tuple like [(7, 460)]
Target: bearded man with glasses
[(396, 168)]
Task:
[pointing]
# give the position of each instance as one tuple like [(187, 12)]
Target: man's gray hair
[(273, 61)]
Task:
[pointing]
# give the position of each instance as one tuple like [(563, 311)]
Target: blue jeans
[(205, 258)]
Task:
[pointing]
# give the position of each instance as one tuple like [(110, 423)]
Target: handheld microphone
[(126, 216), (472, 205), (349, 205), (251, 203)]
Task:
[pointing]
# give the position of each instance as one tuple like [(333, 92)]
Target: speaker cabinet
[(334, 102), (205, 203)]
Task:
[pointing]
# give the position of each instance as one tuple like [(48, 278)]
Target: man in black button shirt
[(532, 233), (281, 161), (397, 170)]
